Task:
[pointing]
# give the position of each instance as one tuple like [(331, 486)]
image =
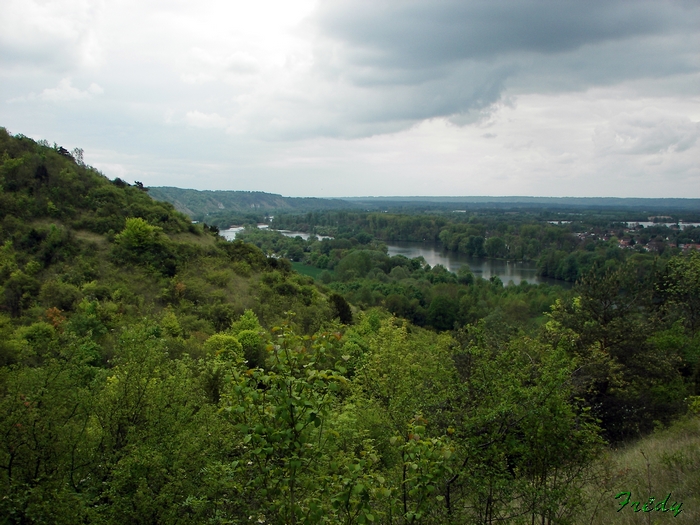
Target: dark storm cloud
[(429, 33), (346, 110), (410, 60), (381, 36)]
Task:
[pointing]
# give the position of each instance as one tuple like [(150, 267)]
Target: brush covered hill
[(71, 237)]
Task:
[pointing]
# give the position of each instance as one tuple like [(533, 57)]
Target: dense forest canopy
[(152, 372)]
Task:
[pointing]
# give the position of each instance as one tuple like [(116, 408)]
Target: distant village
[(652, 235)]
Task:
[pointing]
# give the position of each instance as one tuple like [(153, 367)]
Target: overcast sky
[(364, 97)]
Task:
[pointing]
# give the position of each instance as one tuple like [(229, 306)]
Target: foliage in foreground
[(374, 423)]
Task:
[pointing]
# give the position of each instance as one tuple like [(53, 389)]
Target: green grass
[(305, 269)]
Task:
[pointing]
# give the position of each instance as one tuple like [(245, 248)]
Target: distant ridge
[(586, 202), (199, 203)]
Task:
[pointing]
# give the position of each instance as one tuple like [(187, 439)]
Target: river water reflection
[(433, 254), (485, 268)]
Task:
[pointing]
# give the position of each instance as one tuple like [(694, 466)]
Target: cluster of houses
[(630, 238)]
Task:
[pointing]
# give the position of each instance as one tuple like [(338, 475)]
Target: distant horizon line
[(506, 197), (451, 197)]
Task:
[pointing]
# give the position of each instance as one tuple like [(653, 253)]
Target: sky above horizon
[(337, 98)]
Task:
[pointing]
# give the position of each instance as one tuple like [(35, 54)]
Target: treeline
[(639, 295)]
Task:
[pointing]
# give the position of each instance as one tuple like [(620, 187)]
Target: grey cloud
[(346, 110), (408, 60), (254, 112), (426, 33), (668, 57)]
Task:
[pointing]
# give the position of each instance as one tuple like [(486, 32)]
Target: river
[(230, 233), (480, 267), (433, 254)]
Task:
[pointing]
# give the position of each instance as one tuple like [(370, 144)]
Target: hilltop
[(72, 238)]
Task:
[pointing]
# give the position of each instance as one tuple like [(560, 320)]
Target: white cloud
[(65, 91), (113, 169), (202, 66), (57, 34), (95, 89), (646, 132), (205, 120)]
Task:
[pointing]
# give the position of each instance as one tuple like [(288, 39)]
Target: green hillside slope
[(65, 224), (665, 463)]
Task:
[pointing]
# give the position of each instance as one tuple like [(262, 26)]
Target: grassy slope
[(665, 462), (306, 269)]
